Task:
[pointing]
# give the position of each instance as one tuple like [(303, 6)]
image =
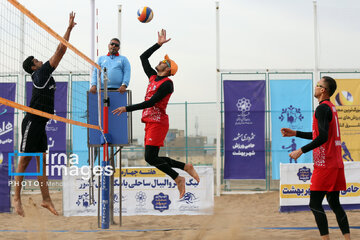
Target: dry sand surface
[(235, 217)]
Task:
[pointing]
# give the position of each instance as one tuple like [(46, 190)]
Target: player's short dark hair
[(331, 85), (116, 39), (27, 64)]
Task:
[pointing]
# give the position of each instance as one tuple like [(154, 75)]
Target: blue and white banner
[(7, 91), (291, 107), (244, 103), (145, 191), (80, 134)]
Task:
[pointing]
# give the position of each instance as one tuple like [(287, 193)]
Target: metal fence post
[(186, 132)]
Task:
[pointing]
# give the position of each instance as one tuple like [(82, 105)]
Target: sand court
[(240, 216)]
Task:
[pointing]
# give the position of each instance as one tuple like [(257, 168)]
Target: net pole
[(112, 156), (218, 105), (105, 186), (120, 191), (99, 185)]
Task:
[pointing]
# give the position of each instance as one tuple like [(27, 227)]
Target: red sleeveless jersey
[(157, 113), (328, 155)]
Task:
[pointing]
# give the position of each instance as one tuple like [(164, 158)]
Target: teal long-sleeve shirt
[(118, 71)]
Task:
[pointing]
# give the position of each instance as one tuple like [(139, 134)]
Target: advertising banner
[(244, 103), (295, 187), (7, 91), (347, 101), (80, 134), (145, 191), (291, 107)]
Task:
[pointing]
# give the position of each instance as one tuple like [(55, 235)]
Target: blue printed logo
[(161, 202), (16, 153), (117, 198), (189, 198), (347, 154), (292, 115), (304, 174), (291, 147), (84, 200)]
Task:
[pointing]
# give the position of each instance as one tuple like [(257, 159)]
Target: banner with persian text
[(347, 101), (244, 103), (145, 191), (295, 187), (7, 91)]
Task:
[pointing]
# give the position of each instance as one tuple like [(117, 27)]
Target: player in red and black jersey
[(154, 114), (328, 177)]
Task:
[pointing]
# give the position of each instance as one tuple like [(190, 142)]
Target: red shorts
[(155, 134), (328, 179)]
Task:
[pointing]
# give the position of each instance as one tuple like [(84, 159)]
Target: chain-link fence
[(192, 134)]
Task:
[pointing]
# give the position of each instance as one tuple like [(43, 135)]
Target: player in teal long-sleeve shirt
[(118, 69)]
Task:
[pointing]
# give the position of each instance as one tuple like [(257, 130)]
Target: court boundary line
[(301, 228), (98, 230)]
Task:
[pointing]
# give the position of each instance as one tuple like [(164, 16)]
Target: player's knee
[(314, 206), (24, 162), (336, 207), (150, 158)]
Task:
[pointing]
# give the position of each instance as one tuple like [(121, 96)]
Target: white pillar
[(119, 24), (218, 106), (92, 29), (316, 43), (316, 50), (20, 96)]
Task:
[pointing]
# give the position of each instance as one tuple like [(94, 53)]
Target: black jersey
[(43, 91)]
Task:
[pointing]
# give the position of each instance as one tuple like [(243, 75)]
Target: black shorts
[(34, 139)]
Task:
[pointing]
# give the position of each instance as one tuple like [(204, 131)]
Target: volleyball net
[(22, 34)]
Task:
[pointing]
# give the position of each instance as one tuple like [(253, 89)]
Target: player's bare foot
[(189, 168), (18, 207), (180, 182), (50, 206), (325, 237)]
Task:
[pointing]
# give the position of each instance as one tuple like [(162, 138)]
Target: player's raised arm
[(162, 37), (61, 49), (149, 71)]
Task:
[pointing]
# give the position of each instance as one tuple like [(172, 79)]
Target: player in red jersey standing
[(328, 177), (154, 114)]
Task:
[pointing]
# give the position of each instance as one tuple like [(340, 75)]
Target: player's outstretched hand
[(119, 110), (162, 37), (71, 20), (287, 132)]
